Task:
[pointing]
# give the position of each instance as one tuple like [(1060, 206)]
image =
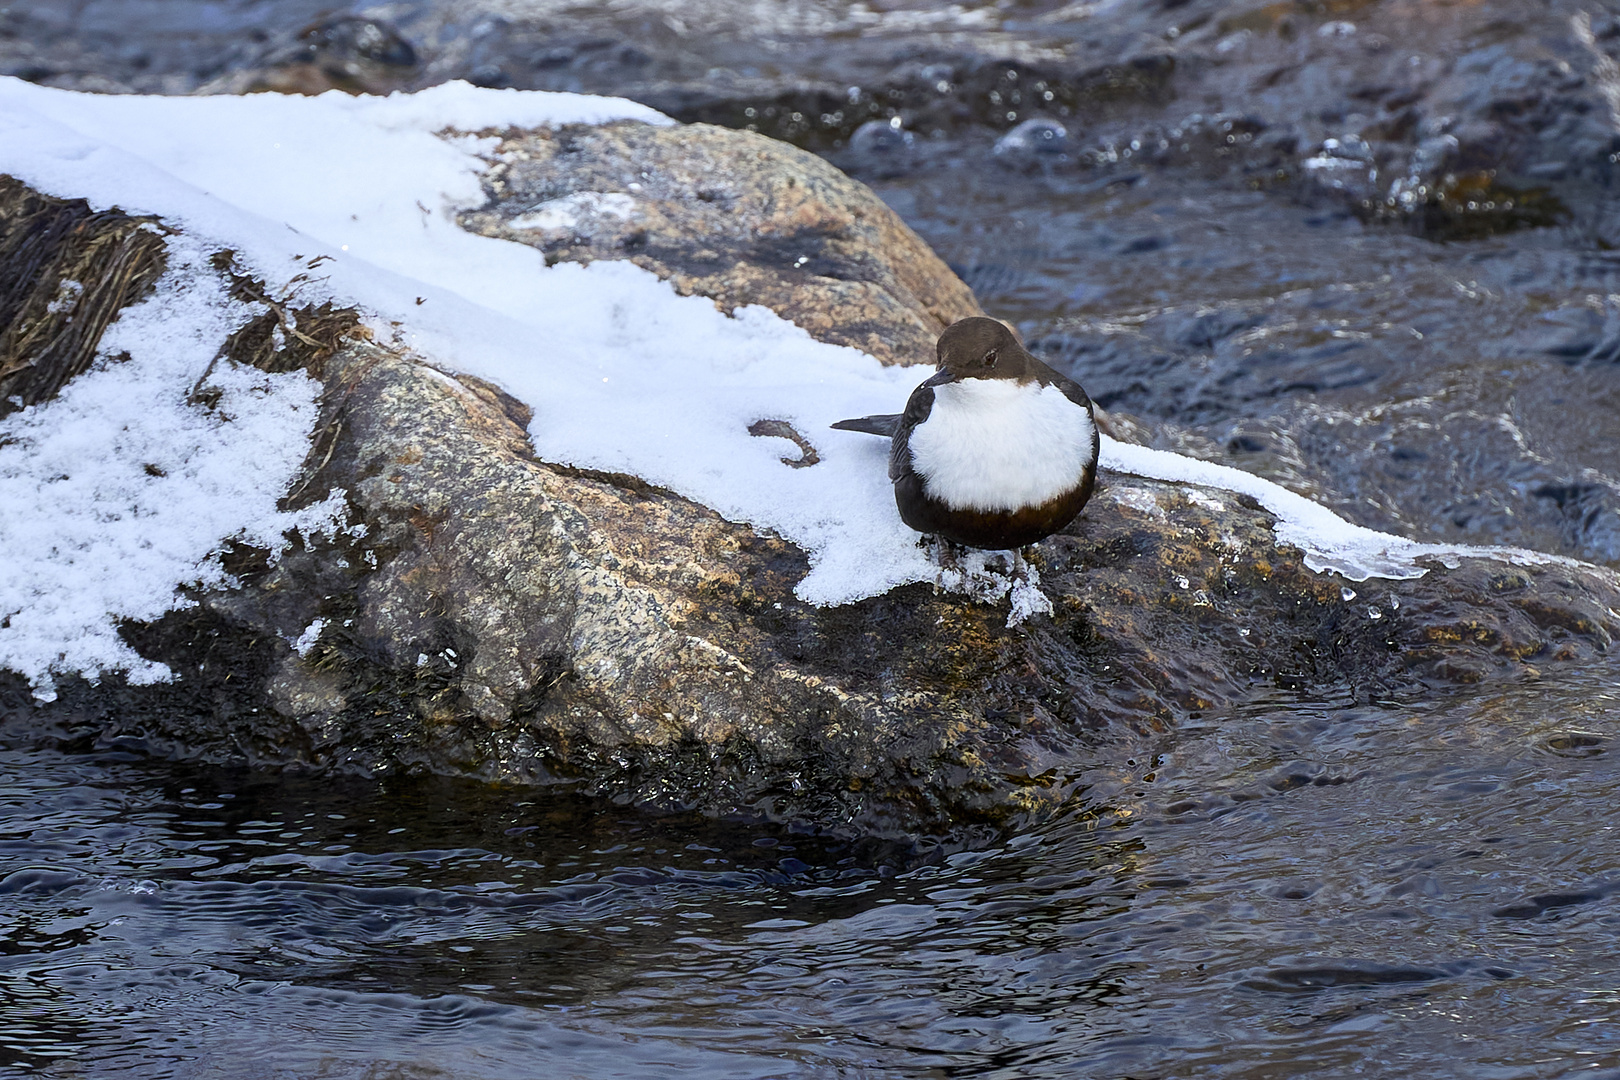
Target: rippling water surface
[(1306, 887)]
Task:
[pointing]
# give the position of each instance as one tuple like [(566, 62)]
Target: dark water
[(1298, 889), (1303, 888)]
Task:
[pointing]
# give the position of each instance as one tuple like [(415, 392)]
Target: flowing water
[(1302, 887)]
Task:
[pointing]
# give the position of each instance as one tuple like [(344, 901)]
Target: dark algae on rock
[(65, 273)]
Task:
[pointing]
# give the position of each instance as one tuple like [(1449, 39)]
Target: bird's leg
[(946, 557)]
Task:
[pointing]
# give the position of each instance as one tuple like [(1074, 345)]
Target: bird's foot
[(948, 558)]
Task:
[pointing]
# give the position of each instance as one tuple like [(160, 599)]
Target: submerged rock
[(529, 622), (1034, 141), (884, 148)]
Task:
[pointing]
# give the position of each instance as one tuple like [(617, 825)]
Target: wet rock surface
[(525, 622)]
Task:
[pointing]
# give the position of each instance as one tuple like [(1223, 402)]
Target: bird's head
[(979, 348)]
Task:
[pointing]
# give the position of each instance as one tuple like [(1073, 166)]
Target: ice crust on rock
[(569, 211)]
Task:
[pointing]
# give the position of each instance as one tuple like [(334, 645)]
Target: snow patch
[(306, 641), (568, 211), (66, 298), (120, 491), (987, 576), (1329, 543), (1026, 600)]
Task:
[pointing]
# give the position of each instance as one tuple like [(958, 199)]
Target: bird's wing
[(1074, 393), (1071, 389), (918, 406)]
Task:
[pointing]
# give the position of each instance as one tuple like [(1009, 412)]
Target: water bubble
[(1243, 632), (1374, 613), (1347, 594), (1036, 136), (1182, 582), (880, 137), (1394, 603)]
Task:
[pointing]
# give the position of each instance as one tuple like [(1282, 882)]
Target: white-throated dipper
[(996, 450)]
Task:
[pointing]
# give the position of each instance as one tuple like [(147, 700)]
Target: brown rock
[(733, 216)]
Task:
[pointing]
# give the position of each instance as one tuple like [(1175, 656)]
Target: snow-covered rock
[(432, 449)]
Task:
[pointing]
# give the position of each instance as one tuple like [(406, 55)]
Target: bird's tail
[(885, 425)]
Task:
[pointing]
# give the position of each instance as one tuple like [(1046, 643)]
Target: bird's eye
[(990, 358)]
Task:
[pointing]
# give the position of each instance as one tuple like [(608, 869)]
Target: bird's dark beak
[(940, 378)]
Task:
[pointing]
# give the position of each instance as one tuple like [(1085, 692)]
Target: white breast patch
[(994, 444)]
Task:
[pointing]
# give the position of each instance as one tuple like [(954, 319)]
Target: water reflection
[(1395, 892)]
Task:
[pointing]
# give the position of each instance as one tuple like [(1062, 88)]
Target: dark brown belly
[(994, 530)]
